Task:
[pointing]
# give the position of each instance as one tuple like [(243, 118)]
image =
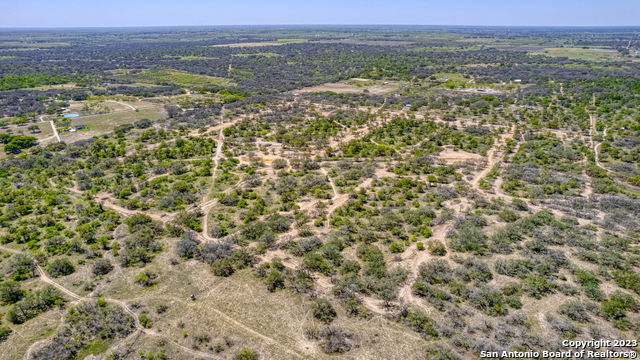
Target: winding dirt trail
[(46, 279), (53, 127), (594, 146), (123, 104), (336, 201), (491, 158), (208, 203)]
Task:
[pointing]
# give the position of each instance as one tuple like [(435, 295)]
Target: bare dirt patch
[(488, 91), (263, 158), (452, 156), (350, 88)]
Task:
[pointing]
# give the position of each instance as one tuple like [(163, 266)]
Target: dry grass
[(453, 156), (355, 86), (241, 309), (105, 123)]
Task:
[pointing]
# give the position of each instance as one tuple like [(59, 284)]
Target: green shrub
[(34, 303), (101, 267), (488, 300), (323, 310), (396, 247), (144, 320), (222, 267), (60, 267), (246, 354), (4, 333), (436, 297), (628, 280), (21, 267), (436, 248), (508, 216), (586, 278), (469, 238), (618, 305), (274, 280), (513, 302), (474, 270), (514, 267), (419, 322), (146, 279), (537, 287), (439, 352), (435, 271), (575, 311), (10, 292)]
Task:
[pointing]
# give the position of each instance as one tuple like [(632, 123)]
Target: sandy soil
[(453, 156), (345, 88)]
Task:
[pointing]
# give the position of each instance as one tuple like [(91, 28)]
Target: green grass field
[(590, 54), (105, 123), (163, 77), (264, 54), (291, 41)]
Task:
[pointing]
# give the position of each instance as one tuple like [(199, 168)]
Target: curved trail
[(336, 201), (594, 146), (46, 279), (121, 103), (207, 203), (53, 127), (491, 158), (125, 212)]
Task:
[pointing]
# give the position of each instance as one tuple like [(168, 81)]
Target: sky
[(117, 13)]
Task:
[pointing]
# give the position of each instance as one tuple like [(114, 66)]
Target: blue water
[(71, 115)]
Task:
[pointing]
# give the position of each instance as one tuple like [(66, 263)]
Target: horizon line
[(306, 25)]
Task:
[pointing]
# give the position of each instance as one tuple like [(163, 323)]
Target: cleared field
[(453, 156), (164, 77), (274, 324), (365, 42), (22, 129), (104, 123), (589, 54), (264, 43), (263, 54), (353, 86)]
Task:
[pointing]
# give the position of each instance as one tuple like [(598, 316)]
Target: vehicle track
[(46, 279)]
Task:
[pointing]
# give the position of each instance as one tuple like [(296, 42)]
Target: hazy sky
[(76, 13)]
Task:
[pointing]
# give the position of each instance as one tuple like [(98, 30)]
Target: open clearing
[(263, 54), (104, 123), (452, 156), (163, 77), (264, 43), (364, 42), (353, 86), (589, 54)]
